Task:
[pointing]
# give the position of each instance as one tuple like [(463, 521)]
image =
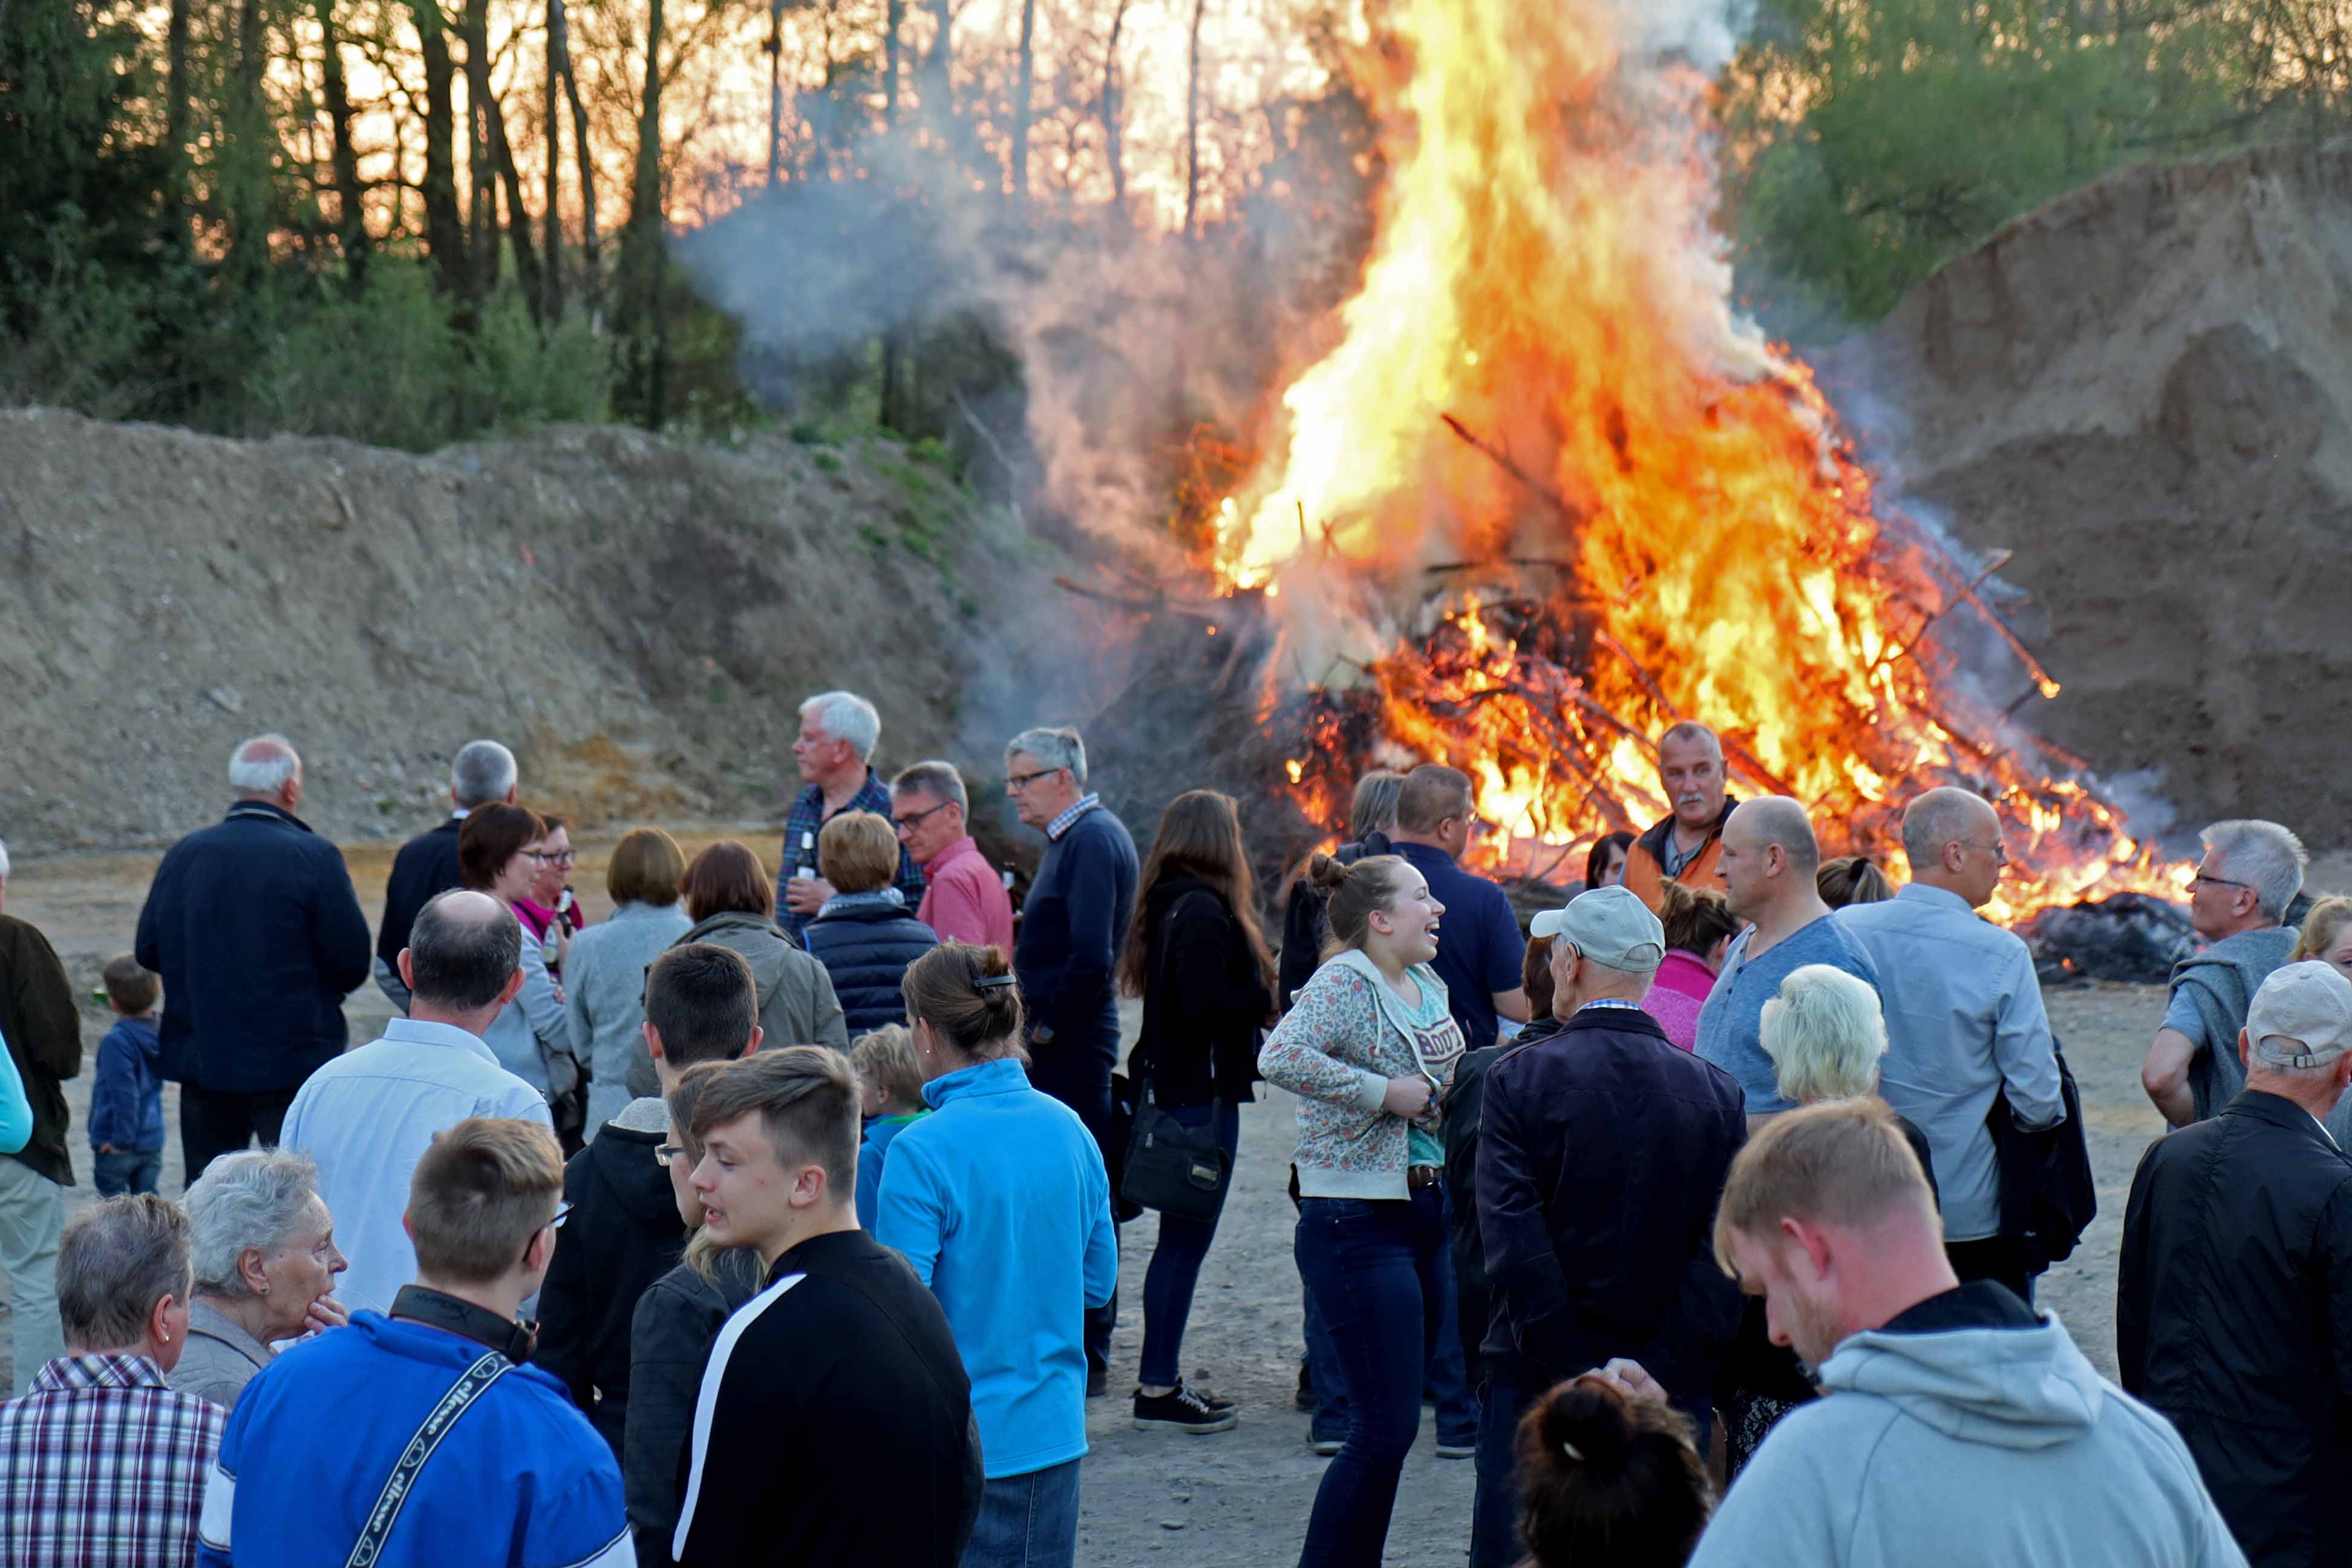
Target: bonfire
[(1544, 491)]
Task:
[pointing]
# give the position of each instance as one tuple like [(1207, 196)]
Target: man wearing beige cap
[(1603, 1152), (2233, 1302)]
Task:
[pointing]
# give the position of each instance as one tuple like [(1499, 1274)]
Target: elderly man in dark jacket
[(482, 772), (44, 1034), (255, 929), (1603, 1152), (2233, 1300)]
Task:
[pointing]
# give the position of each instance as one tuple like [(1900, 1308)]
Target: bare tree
[(552, 127), (445, 226), (559, 54), (351, 228), (1024, 92), (1113, 114), (1192, 124)]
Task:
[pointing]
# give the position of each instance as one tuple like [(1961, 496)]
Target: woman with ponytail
[(1608, 1481), (1000, 1201), (1369, 1046)]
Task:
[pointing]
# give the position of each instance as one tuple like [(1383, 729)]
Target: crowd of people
[(774, 1217)]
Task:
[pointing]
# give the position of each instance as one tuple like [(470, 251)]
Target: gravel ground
[(1240, 1497)]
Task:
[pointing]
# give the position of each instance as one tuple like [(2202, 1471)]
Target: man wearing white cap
[(1603, 1152), (2233, 1302)]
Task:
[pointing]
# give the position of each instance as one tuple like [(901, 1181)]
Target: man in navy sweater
[(253, 925), (427, 865), (1071, 928)]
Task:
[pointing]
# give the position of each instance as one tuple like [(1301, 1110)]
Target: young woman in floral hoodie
[(1369, 1046)]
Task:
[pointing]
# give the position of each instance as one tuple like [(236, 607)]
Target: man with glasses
[(422, 1436), (963, 897), (1964, 1021), (701, 1006), (1071, 928), (2238, 902)]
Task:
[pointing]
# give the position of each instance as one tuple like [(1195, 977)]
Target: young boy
[(889, 1096), (126, 1099)]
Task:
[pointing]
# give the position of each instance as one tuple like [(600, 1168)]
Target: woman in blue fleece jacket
[(1000, 1201)]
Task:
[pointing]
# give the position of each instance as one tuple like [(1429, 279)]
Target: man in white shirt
[(367, 1117), (1964, 1020)]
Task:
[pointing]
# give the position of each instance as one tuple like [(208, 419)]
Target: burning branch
[(1502, 460)]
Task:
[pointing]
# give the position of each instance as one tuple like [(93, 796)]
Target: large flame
[(1548, 492)]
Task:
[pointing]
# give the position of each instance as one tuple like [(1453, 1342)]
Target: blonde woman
[(2326, 935)]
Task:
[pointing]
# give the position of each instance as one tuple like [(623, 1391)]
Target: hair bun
[(1326, 872), (1585, 1421)]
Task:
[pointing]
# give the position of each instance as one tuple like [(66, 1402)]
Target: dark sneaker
[(1182, 1411), (1305, 1399), (1207, 1398), (1463, 1450), (1323, 1447)]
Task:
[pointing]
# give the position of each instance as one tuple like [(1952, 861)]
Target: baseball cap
[(1611, 926), (2308, 1003)]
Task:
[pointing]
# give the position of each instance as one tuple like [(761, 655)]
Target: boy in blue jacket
[(126, 1099), (889, 1099)]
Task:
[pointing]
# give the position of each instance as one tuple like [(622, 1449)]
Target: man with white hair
[(2238, 902), (1964, 1021), (1767, 865), (1602, 1149), (483, 772), (253, 925), (835, 752), (2233, 1298), (38, 1020)]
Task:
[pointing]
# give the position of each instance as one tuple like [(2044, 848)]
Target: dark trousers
[(1513, 1383), (1078, 1075), (1370, 1264), (1176, 1259), (1997, 1259), (216, 1122), (126, 1171)]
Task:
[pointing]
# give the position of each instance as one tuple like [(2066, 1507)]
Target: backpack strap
[(472, 1385)]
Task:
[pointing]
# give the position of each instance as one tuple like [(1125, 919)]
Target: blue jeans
[(1447, 1379), (126, 1171), (1448, 1382), (1325, 1375), (1176, 1260), (1370, 1265), (1027, 1522)]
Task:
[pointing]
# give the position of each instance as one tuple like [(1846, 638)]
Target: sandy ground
[(1240, 1497)]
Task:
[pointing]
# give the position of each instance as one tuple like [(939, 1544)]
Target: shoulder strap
[(475, 1382)]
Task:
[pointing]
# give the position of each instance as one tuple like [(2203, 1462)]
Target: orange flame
[(1548, 492)]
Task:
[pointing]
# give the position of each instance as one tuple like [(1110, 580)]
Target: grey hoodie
[(1992, 1446)]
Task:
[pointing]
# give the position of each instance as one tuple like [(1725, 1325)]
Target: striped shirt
[(102, 1466)]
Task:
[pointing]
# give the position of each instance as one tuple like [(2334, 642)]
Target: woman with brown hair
[(1699, 928), (1196, 956), (499, 852), (1608, 1481), (732, 902)]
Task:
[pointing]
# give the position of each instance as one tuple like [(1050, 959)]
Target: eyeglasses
[(2203, 881), (563, 1213), (566, 858), (1998, 849), (1016, 782), (905, 825), (668, 1153)]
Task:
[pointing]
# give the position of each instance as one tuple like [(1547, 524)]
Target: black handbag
[(2049, 1196), (1177, 1170)]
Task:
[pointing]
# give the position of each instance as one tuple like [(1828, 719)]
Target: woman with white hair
[(1824, 1031), (266, 1262)]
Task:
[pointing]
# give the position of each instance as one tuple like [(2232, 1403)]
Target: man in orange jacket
[(1685, 844)]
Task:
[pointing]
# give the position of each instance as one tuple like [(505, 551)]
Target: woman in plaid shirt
[(102, 1466)]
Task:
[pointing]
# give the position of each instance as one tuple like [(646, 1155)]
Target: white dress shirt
[(367, 1118)]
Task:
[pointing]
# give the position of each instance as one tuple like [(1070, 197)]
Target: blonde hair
[(2322, 924), (1824, 1033), (702, 1254), (884, 1057), (1842, 1162), (481, 1192), (857, 852)]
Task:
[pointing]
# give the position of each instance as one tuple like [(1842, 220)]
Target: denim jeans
[(1325, 1375), (126, 1171), (1079, 1076), (1027, 1520), (1176, 1260), (1369, 1263), (1448, 1378)]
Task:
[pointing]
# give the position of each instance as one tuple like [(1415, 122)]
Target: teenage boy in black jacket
[(701, 1006)]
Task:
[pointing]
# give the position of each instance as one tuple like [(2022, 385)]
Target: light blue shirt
[(367, 1117), (1730, 1027), (1964, 1018), (1000, 1201)]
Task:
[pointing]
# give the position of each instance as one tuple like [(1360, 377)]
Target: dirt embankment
[(638, 617), (2146, 391)]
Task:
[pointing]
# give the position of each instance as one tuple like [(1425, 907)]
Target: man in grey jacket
[(1959, 1429)]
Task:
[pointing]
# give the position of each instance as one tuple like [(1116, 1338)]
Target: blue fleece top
[(1000, 1201), (873, 1149), (16, 1105), (126, 1098), (521, 1480)]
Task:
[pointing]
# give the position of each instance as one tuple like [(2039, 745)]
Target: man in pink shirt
[(963, 897)]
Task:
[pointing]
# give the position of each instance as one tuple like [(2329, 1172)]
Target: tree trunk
[(1112, 114), (248, 177), (896, 345), (445, 224), (481, 160), (552, 124), (939, 65), (494, 121), (1192, 125), (1021, 106), (775, 47), (559, 49), (175, 116), (642, 246), (351, 225)]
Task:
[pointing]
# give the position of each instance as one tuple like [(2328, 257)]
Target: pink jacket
[(1677, 995), (964, 900)]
